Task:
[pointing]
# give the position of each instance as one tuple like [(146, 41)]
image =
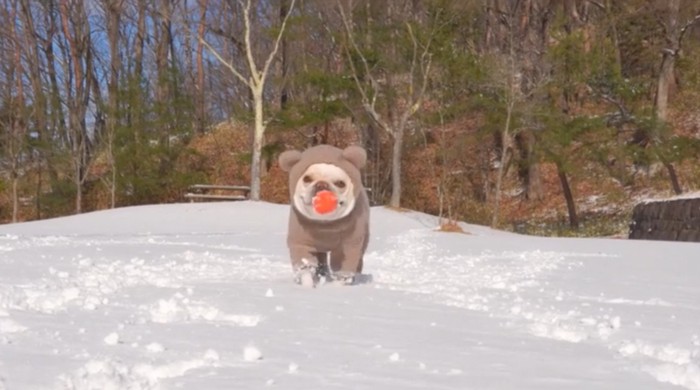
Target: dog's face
[(324, 177), (324, 168)]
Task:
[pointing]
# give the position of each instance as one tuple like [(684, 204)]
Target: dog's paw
[(306, 276), (306, 279), (344, 278)]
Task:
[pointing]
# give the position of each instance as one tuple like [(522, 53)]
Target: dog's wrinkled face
[(324, 177)]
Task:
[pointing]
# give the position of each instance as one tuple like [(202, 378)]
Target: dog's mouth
[(324, 192), (308, 198), (322, 189), (310, 204)]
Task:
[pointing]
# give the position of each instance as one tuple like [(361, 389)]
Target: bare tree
[(372, 90), (521, 29), (12, 110), (163, 41), (513, 81), (512, 96), (39, 97), (284, 58), (674, 39), (254, 77), (57, 115), (113, 10), (200, 109), (77, 88)]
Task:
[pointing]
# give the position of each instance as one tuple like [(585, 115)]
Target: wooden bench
[(214, 192)]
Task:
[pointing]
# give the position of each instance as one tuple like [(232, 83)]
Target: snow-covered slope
[(199, 296)]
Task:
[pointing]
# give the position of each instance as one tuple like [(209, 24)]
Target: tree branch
[(368, 102), (224, 62), (598, 4), (277, 40), (236, 42), (685, 28), (254, 74)]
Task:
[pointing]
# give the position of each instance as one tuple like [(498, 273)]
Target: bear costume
[(328, 241)]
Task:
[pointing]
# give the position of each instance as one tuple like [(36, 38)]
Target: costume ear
[(356, 155), (288, 159)]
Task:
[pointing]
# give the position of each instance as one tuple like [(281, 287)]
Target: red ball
[(324, 202)]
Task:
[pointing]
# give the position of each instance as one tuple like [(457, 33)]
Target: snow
[(251, 353), (112, 339), (685, 195), (200, 295)]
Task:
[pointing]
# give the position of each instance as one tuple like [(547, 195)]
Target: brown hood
[(347, 160)]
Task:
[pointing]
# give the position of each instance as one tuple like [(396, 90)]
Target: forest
[(540, 116)]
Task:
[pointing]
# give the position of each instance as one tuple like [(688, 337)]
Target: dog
[(328, 230)]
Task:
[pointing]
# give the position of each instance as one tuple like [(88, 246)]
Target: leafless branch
[(367, 101), (685, 28), (273, 53), (425, 63), (598, 4), (225, 63), (236, 42)]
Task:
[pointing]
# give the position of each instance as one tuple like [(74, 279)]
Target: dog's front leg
[(304, 265), (346, 261)]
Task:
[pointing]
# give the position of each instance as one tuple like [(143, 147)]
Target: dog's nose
[(321, 186)]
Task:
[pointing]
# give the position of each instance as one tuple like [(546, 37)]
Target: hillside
[(200, 296)]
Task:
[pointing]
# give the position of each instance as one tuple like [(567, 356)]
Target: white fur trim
[(303, 192)]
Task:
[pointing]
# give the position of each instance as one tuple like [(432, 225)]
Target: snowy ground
[(199, 296)]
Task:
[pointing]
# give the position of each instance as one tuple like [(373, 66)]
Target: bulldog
[(328, 228)]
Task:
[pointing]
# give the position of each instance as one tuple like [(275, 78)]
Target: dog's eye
[(307, 179), (340, 184)]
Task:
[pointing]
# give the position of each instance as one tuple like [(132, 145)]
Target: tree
[(674, 39), (13, 121), (515, 35), (520, 29), (402, 95), (254, 77), (200, 101), (113, 10), (510, 94), (40, 142), (76, 38)]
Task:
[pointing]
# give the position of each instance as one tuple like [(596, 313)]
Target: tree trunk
[(74, 22), (114, 9), (570, 204), (490, 25), (162, 45), (668, 59), (664, 83), (15, 195), (39, 96), (258, 133), (15, 101), (505, 135), (165, 88), (284, 61), (57, 117), (531, 41), (530, 172), (675, 183), (396, 157), (140, 39), (200, 101)]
